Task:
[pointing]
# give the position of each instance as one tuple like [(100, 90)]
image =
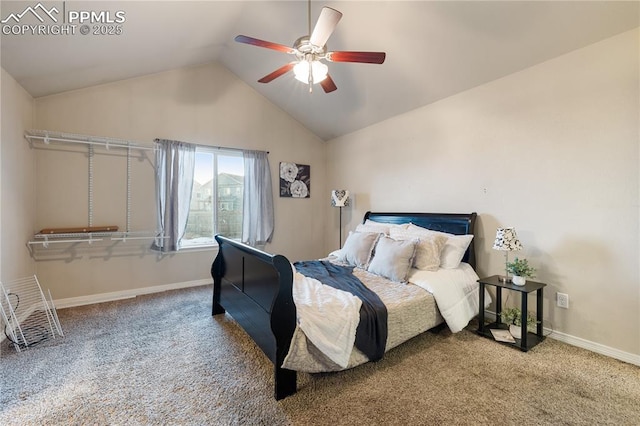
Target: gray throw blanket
[(371, 334)]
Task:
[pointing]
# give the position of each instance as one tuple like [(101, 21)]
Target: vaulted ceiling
[(434, 48)]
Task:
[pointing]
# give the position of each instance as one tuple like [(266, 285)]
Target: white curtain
[(175, 164), (257, 210)]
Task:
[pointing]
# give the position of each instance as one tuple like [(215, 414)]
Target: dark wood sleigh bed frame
[(255, 287)]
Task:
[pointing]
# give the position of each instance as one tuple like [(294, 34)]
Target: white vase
[(515, 330), (518, 280)]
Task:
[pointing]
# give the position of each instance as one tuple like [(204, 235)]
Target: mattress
[(411, 310)]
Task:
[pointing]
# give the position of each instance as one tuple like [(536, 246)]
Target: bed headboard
[(452, 223)]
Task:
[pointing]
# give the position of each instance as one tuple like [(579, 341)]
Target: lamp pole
[(340, 242)]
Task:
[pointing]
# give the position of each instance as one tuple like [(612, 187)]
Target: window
[(216, 197)]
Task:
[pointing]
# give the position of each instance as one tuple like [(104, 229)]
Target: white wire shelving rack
[(29, 317), (91, 237), (50, 137)]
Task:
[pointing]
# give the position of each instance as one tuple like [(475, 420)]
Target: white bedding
[(315, 303), (455, 292)]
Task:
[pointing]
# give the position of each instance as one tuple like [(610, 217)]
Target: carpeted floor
[(162, 359)]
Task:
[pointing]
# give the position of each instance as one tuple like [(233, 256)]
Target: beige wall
[(17, 167), (553, 151), (204, 105)]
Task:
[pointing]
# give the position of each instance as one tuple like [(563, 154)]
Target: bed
[(257, 289)]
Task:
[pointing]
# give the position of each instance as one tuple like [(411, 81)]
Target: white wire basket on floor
[(29, 317)]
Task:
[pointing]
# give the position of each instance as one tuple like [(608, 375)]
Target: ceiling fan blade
[(327, 22), (261, 43), (328, 85), (277, 73), (362, 57)]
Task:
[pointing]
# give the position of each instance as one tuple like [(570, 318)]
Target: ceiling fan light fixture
[(309, 50), (318, 71)]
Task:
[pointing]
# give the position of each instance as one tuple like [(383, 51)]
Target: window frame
[(215, 152)]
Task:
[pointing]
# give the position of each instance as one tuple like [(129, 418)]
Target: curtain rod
[(214, 146)]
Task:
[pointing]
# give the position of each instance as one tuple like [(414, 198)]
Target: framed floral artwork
[(295, 180)]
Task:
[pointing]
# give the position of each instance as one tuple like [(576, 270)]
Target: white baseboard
[(595, 347), (109, 297), (128, 294), (584, 344), (125, 294)]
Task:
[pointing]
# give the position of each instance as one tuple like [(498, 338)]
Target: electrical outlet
[(562, 299)]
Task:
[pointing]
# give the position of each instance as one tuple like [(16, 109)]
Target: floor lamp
[(506, 240), (340, 198)]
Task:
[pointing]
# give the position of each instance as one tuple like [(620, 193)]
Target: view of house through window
[(216, 198)]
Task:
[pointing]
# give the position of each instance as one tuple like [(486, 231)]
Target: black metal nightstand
[(528, 340)]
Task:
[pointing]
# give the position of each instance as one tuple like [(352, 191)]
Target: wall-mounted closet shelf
[(48, 136), (91, 237)]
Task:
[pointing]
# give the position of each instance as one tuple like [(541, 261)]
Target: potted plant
[(513, 317), (521, 270)]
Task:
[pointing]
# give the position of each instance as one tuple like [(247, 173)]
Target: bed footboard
[(255, 288)]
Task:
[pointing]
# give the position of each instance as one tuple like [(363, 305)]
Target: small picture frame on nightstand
[(502, 335)]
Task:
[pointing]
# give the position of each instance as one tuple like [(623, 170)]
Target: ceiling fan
[(311, 49)]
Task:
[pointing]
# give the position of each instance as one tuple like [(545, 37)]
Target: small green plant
[(521, 268), (514, 316)]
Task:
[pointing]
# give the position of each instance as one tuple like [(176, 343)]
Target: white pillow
[(454, 251), (393, 259), (379, 227), (454, 248), (358, 248), (428, 249)]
